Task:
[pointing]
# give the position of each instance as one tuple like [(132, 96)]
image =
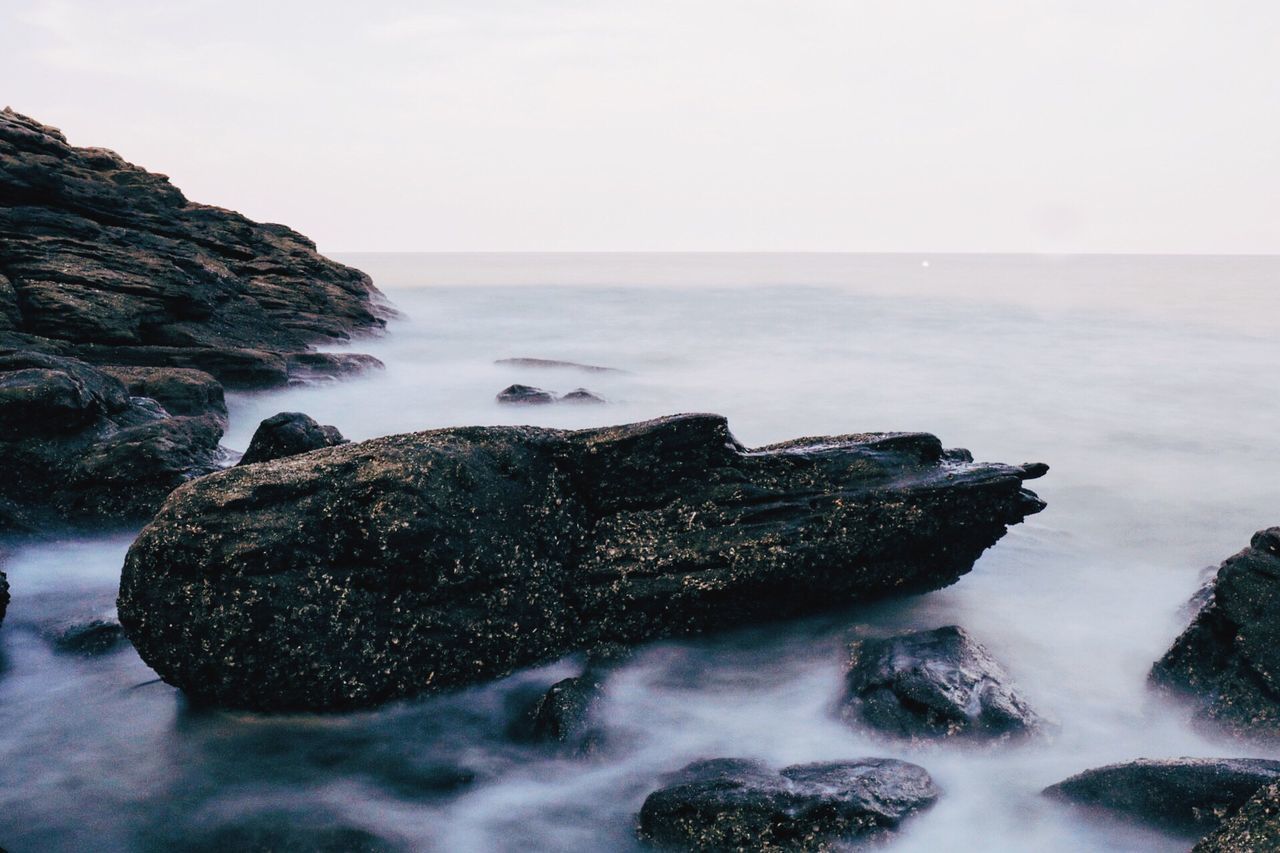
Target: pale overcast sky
[(894, 125)]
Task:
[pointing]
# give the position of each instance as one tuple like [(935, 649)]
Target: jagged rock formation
[(360, 573), (1227, 662), (742, 805), (933, 684), (288, 434), (1255, 828), (104, 261)]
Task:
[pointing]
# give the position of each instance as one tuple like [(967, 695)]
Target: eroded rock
[(1255, 828), (369, 571), (933, 684), (288, 434), (738, 804), (181, 390)]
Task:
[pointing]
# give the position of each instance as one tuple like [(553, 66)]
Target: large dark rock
[(733, 804), (360, 573), (288, 434), (182, 391), (1227, 663), (1183, 794), (933, 684), (1255, 828), (104, 261), (76, 447)]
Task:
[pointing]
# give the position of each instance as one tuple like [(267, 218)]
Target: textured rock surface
[(180, 390), (369, 571), (102, 260), (1227, 663), (288, 434), (736, 804), (1184, 794), (525, 395), (933, 684), (563, 715), (1255, 828), (76, 447)]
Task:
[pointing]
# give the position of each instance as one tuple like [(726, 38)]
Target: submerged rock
[(742, 805), (182, 391), (288, 434), (1253, 829), (104, 261), (933, 684), (1227, 663), (581, 395), (563, 715), (553, 363), (76, 447), (525, 395), (87, 638), (369, 571), (1183, 794)]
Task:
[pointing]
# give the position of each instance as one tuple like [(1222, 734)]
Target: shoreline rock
[(1226, 664), (362, 573)]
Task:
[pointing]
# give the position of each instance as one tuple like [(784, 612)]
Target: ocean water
[(1147, 383)]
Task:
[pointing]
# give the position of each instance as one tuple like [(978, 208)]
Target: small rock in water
[(553, 363), (525, 395), (562, 715), (288, 434), (742, 805), (581, 395), (933, 684), (4, 595), (91, 638), (1252, 829), (1183, 794)]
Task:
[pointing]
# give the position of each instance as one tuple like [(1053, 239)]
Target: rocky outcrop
[(1227, 663), (1253, 829), (180, 390), (76, 447), (360, 573), (742, 805), (288, 434), (933, 684), (1183, 794), (106, 262)]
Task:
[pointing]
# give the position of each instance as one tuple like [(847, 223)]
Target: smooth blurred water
[(1147, 383)]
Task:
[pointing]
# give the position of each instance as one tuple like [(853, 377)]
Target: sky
[(699, 125)]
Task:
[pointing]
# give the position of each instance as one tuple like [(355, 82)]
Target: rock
[(288, 434), (736, 804), (933, 684), (1252, 829), (1227, 663), (525, 395), (182, 391), (553, 363), (356, 574), (1182, 794), (581, 395), (88, 638), (563, 714), (306, 368), (4, 595), (76, 447), (109, 263)]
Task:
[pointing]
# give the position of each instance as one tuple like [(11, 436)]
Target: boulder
[(525, 395), (106, 262), (288, 434), (1226, 665), (76, 447), (1252, 829), (1181, 794), (742, 805), (933, 684), (181, 390), (365, 572)]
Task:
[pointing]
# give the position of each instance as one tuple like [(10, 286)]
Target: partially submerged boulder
[(933, 684), (76, 447), (1181, 794), (743, 805), (525, 395), (1255, 828), (361, 573), (87, 637), (1227, 663), (564, 714), (288, 434)]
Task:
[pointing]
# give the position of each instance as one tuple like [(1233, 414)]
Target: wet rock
[(4, 595), (76, 447), (525, 395), (306, 368), (1253, 829), (563, 715), (933, 684), (581, 395), (106, 262), (553, 363), (182, 391), (360, 573), (288, 434), (1226, 665), (88, 638), (737, 804), (1182, 794)]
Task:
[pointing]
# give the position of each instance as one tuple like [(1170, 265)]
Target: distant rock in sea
[(524, 395), (356, 574), (554, 364)]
